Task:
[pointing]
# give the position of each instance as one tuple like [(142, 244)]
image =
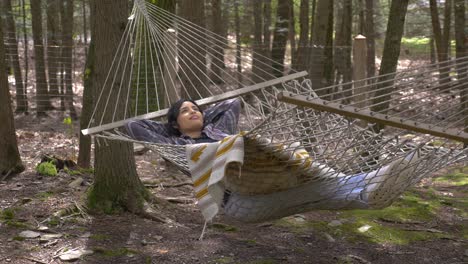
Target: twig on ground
[(6, 175), (180, 184), (362, 260), (35, 260)]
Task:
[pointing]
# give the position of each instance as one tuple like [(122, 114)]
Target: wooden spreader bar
[(373, 117), (204, 101)]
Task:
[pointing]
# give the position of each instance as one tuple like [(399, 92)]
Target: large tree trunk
[(343, 47), (370, 38), (238, 42), (42, 96), (67, 54), (12, 47), (280, 37), (321, 57), (391, 53), (441, 37), (302, 51), (116, 182), (462, 51), (192, 54), (53, 47), (10, 161)]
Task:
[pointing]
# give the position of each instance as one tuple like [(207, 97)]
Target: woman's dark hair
[(173, 113)]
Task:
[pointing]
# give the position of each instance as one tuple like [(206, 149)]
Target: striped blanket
[(207, 163)]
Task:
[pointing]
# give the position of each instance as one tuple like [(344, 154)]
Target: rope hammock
[(297, 151)]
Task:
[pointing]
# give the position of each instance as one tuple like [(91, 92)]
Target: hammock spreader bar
[(204, 101), (374, 117)]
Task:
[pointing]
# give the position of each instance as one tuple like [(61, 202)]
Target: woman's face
[(190, 119)]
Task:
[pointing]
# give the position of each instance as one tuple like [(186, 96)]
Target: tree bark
[(10, 161), (84, 151), (461, 49), (53, 49), (343, 47), (42, 95), (192, 56), (321, 57), (116, 182), (370, 37), (441, 37), (280, 37), (12, 46), (67, 55), (238, 43), (266, 27), (217, 62), (301, 52), (391, 53)]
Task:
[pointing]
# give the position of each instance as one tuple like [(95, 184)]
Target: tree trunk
[(461, 42), (12, 46), (42, 96), (238, 42), (266, 28), (292, 32), (301, 52), (257, 45), (116, 182), (343, 47), (26, 44), (85, 27), (67, 55), (10, 161), (217, 62), (53, 49), (391, 52), (441, 38), (321, 57), (192, 56), (84, 154), (370, 36), (280, 37)]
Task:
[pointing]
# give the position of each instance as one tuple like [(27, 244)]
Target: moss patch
[(47, 169), (456, 179)]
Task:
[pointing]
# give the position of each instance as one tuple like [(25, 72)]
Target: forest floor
[(428, 224)]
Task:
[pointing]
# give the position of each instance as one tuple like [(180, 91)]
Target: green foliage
[(99, 237), (47, 169), (7, 214), (18, 238), (53, 221)]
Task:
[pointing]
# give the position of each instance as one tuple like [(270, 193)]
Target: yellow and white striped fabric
[(207, 163)]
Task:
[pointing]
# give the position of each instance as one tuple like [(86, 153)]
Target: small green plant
[(7, 214), (47, 169)]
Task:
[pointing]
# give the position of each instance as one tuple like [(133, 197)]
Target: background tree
[(441, 37), (66, 10), (280, 37), (116, 182), (301, 53), (193, 50), (11, 41), (53, 47), (370, 38), (343, 45), (217, 63), (391, 53), (42, 95), (461, 43), (10, 161), (321, 58)]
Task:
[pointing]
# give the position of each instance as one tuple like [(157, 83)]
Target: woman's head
[(185, 117)]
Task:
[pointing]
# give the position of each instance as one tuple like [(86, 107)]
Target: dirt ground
[(28, 202)]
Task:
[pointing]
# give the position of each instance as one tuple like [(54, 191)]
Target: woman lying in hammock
[(187, 124)]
